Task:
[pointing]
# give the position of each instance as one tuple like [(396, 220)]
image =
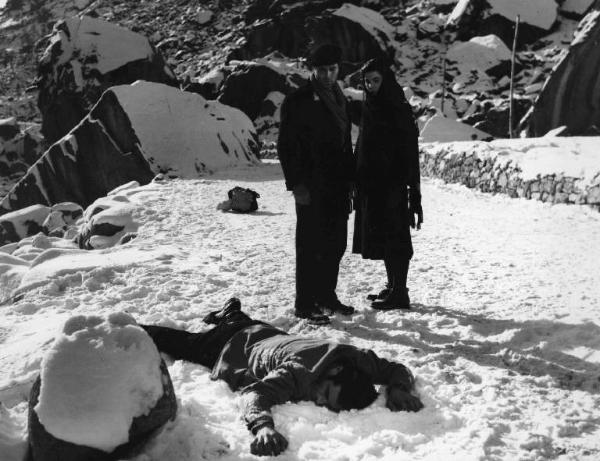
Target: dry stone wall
[(487, 173)]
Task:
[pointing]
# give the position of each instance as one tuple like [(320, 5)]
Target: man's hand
[(399, 400), (301, 194), (414, 207), (268, 442)]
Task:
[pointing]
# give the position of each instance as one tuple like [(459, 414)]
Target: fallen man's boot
[(232, 305)]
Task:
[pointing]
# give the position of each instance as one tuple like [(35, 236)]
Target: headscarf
[(390, 92)]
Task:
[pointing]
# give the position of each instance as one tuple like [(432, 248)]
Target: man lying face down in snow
[(270, 367)]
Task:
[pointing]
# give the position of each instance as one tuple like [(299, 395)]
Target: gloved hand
[(414, 207), (268, 442), (301, 194), (400, 400)]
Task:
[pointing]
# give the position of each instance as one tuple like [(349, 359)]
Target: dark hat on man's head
[(325, 55)]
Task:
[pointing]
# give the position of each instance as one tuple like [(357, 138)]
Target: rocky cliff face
[(571, 95)]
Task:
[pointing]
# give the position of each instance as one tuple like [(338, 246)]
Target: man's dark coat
[(270, 367), (315, 153)]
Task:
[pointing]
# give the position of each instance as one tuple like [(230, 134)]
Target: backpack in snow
[(240, 200)]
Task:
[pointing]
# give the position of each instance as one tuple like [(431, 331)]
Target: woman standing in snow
[(388, 182)]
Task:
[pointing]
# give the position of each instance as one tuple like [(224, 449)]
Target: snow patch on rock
[(113, 46), (539, 13), (479, 52), (371, 21), (183, 133), (442, 129)]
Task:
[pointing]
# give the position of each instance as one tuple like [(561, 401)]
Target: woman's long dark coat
[(387, 157)]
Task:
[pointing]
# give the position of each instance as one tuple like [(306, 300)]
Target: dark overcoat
[(387, 156), (314, 152)]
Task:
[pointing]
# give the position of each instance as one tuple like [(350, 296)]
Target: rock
[(264, 76), (573, 83), (20, 147), (488, 54), (575, 9), (86, 56), (494, 114), (472, 18), (22, 223), (43, 446), (61, 217), (361, 33), (132, 134)]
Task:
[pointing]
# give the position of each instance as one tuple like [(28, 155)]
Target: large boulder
[(133, 133), (22, 223), (472, 18), (362, 33), (570, 95), (85, 57), (102, 393), (488, 54)]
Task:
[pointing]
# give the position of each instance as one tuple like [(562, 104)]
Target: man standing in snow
[(315, 150), (270, 367)]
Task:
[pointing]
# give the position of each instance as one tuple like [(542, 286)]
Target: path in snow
[(504, 337)]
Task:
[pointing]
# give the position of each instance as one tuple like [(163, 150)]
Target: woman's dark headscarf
[(390, 92)]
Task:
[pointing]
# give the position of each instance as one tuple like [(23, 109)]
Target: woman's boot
[(397, 298), (388, 285)]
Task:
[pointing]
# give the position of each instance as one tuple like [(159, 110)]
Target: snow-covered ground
[(504, 337)]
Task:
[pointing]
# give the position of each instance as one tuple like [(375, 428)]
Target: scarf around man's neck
[(335, 101)]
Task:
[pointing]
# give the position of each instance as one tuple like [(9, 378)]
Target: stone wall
[(488, 173)]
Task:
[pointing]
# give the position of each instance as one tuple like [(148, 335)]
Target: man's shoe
[(313, 317), (395, 300), (381, 295), (336, 307), (232, 305)]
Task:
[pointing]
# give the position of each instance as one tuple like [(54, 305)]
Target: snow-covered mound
[(133, 133), (22, 223), (372, 21), (85, 57), (99, 374)]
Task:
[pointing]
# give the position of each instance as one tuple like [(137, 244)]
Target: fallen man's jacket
[(270, 367)]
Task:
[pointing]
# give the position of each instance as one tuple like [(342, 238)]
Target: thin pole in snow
[(512, 79), (445, 45)]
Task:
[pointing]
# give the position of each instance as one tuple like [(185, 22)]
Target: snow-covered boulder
[(483, 17), (571, 93), (85, 57), (487, 53), (133, 133), (22, 223), (263, 76), (103, 390), (106, 222), (442, 129), (362, 33), (62, 217)]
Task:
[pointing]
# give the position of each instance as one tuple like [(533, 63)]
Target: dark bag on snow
[(243, 200)]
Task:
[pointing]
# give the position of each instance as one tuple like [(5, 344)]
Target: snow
[(184, 134), (504, 337), (479, 52), (21, 218), (371, 21), (443, 129), (540, 13), (576, 6), (99, 374), (111, 45)]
